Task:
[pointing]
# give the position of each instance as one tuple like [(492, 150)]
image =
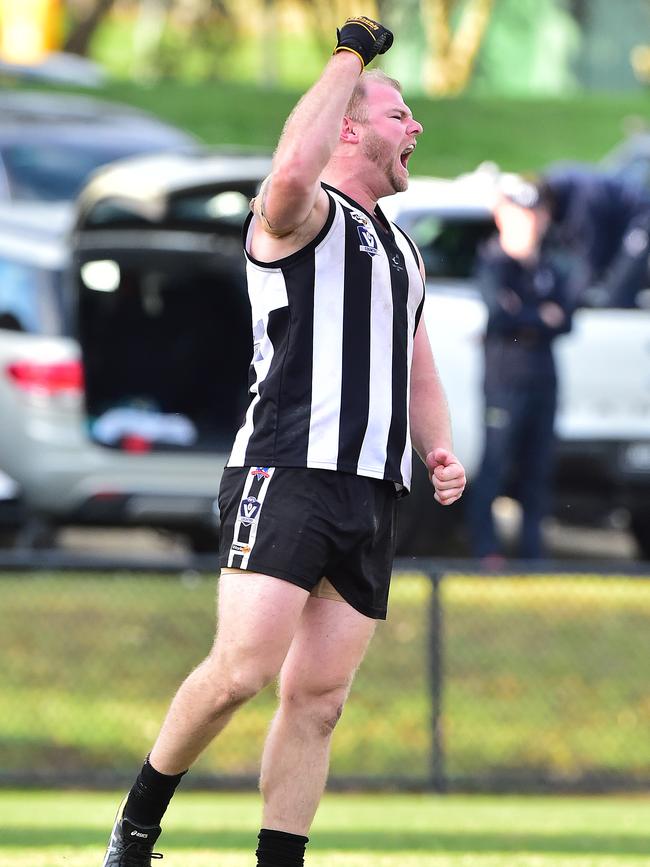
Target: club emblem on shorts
[(261, 472), (248, 510), (359, 217), (368, 241)]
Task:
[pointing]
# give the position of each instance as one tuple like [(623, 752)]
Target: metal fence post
[(436, 684)]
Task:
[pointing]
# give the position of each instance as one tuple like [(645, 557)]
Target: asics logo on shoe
[(139, 834)]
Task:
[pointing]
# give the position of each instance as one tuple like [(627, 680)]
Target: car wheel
[(640, 526), (8, 537)]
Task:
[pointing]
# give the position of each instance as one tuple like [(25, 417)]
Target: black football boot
[(131, 845)]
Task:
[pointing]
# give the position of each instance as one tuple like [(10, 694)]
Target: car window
[(31, 298), (225, 206), (53, 172), (222, 209), (448, 244)]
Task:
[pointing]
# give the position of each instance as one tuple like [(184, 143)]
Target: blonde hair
[(356, 107)]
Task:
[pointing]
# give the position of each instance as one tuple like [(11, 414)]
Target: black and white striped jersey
[(333, 329)]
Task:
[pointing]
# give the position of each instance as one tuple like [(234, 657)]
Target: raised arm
[(291, 196)]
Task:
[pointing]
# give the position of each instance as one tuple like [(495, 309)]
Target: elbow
[(294, 177), (288, 199)]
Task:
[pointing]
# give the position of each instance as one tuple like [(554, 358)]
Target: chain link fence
[(521, 682)]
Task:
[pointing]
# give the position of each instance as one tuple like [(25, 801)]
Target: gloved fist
[(364, 37)]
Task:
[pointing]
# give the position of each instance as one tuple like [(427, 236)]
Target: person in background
[(524, 285), (605, 222)]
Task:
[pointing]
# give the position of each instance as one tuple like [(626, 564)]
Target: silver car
[(37, 363), (50, 143), (125, 344)]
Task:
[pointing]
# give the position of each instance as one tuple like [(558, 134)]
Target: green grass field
[(62, 829), (542, 676), (519, 134)]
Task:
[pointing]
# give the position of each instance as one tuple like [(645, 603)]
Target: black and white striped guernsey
[(333, 329)]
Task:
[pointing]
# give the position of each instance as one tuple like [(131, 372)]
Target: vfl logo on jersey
[(368, 241), (248, 510), (359, 218), (261, 472)]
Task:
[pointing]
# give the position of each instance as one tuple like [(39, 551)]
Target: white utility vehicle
[(124, 329), (603, 419)]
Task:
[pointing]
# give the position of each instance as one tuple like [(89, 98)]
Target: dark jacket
[(605, 222), (514, 293)]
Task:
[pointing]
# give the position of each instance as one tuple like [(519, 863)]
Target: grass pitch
[(519, 134), (55, 829), (542, 676)]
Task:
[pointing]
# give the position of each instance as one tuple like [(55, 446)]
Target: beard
[(381, 154)]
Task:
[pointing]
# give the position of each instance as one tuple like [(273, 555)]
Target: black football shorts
[(303, 525)]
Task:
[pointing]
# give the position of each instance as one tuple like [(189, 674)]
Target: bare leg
[(257, 619), (315, 681)]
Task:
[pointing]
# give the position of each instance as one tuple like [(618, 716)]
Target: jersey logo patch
[(359, 218), (261, 472), (249, 510), (368, 241)]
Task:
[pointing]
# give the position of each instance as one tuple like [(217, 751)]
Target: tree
[(85, 18), (531, 47), (327, 15), (454, 32)]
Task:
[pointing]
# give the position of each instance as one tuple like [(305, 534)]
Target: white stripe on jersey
[(263, 352), (413, 270), (373, 450), (327, 348)]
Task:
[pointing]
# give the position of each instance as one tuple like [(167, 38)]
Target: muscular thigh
[(328, 647), (257, 618)]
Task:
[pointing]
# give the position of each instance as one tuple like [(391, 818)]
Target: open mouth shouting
[(406, 155)]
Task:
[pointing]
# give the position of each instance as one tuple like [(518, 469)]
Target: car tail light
[(47, 378), (136, 444)]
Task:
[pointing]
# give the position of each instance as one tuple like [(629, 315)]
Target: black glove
[(364, 37)]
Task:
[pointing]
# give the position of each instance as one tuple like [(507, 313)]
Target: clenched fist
[(364, 37), (447, 476)]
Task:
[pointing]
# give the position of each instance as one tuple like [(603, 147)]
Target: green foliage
[(529, 49), (213, 52)]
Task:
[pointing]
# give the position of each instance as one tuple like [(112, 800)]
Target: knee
[(234, 685), (318, 710), (241, 685)]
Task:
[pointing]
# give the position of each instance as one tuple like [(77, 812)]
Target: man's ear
[(349, 131)]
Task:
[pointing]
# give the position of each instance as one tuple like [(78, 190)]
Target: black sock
[(280, 849), (150, 796)]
